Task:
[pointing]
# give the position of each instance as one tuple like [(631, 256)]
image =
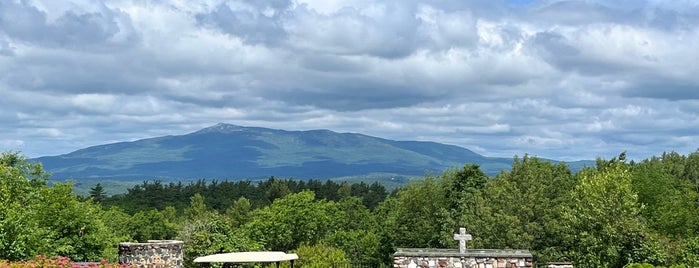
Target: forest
[(614, 214)]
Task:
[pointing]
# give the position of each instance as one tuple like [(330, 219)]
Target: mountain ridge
[(226, 151)]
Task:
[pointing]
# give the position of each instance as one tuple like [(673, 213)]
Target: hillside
[(227, 151)]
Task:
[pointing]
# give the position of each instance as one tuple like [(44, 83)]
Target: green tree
[(76, 228), (239, 212), (320, 255), (50, 220), (150, 225), (463, 194), (677, 214), (412, 217), (170, 214), (461, 185), (374, 195), (292, 220), (691, 169), (345, 190), (21, 236), (11, 159), (197, 208), (519, 208), (654, 184), (206, 232), (97, 193), (358, 233), (33, 172), (689, 252), (277, 189), (362, 247), (211, 235), (117, 222), (603, 220)]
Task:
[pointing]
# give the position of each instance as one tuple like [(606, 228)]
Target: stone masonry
[(471, 258), (154, 254)]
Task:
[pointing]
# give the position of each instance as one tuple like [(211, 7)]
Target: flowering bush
[(59, 262)]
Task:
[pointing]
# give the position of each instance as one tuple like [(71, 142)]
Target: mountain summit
[(225, 151)]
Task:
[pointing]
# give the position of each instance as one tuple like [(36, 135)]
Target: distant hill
[(233, 152)]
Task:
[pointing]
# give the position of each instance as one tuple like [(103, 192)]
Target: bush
[(41, 219), (689, 252), (640, 265), (321, 255), (59, 262)]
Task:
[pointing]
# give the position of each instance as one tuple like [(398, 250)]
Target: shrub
[(58, 262), (321, 255)]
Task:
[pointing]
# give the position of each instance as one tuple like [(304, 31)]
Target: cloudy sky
[(558, 79)]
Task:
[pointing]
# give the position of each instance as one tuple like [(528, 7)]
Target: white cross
[(462, 236)]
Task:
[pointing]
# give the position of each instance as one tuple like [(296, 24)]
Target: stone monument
[(153, 254), (463, 257), (462, 237)]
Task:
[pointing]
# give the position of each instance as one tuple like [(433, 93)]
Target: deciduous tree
[(292, 220), (603, 220)]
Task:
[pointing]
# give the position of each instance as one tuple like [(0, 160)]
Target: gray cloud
[(5, 49), (260, 24), (574, 13), (387, 31), (92, 30), (664, 89), (559, 79)]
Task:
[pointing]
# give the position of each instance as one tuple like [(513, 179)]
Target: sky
[(566, 80)]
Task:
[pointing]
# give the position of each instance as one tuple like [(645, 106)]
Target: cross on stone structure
[(462, 236)]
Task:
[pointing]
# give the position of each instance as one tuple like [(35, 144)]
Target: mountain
[(227, 151)]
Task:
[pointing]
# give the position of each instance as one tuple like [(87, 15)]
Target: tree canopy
[(614, 214)]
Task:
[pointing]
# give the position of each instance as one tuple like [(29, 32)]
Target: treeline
[(615, 214), (220, 195), (611, 215)]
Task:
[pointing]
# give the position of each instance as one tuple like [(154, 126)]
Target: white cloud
[(102, 103), (11, 144)]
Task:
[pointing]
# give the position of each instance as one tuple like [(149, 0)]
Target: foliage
[(239, 212), (319, 256), (638, 214), (648, 265), (39, 219), (59, 262), (117, 222), (532, 193), (460, 186), (150, 225), (292, 220), (21, 236), (603, 220), (220, 195), (362, 247), (689, 253), (206, 232), (75, 228), (358, 236), (670, 199), (641, 265), (411, 217), (97, 193), (463, 191)]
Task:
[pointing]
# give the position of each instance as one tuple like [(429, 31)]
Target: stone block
[(154, 254)]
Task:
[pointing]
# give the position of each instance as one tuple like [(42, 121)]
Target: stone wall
[(154, 254), (472, 258)]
